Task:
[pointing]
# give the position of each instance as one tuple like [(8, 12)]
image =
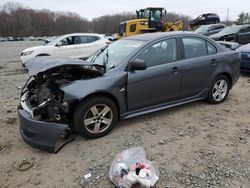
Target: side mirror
[(59, 43), (137, 64)]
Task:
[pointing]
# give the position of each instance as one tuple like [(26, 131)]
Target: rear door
[(200, 62), (244, 35), (88, 45), (161, 81)]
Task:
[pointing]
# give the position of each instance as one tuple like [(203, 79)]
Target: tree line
[(19, 21)]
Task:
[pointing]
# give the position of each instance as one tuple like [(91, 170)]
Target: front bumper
[(24, 59), (47, 136)]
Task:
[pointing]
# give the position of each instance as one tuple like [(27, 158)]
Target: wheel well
[(229, 78), (110, 96), (43, 55)]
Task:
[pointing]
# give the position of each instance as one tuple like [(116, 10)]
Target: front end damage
[(45, 118)]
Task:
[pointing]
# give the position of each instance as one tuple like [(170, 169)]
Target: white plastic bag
[(131, 166)]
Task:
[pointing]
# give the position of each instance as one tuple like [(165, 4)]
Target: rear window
[(88, 39)]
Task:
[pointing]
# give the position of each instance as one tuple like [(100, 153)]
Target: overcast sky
[(95, 8)]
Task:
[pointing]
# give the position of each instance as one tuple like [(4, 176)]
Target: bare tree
[(19, 21)]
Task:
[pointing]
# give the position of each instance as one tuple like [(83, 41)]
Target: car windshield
[(54, 40), (203, 28), (231, 29), (113, 54)]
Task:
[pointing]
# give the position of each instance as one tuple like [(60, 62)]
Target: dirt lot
[(194, 145)]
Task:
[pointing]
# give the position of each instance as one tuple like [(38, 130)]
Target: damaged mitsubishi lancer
[(133, 76)]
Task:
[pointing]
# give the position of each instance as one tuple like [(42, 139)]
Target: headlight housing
[(26, 53)]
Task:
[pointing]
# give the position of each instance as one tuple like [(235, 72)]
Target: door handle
[(175, 70), (213, 62)]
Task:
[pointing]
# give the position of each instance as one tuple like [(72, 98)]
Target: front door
[(160, 82)]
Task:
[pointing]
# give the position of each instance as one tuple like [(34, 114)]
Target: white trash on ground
[(131, 167)]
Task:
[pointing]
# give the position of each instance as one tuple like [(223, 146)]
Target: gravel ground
[(194, 145)]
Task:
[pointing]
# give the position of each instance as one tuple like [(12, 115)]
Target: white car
[(75, 45)]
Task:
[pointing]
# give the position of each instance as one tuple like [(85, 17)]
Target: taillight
[(108, 42)]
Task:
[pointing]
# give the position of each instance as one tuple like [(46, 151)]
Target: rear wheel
[(219, 90), (95, 117)]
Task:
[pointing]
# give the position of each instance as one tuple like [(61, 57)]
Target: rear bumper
[(47, 136)]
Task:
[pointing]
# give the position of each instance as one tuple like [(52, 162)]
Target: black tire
[(83, 111), (211, 94)]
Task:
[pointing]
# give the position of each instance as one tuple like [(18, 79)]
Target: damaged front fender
[(48, 136)]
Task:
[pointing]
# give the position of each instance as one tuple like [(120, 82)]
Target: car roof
[(219, 24), (159, 35), (83, 34)]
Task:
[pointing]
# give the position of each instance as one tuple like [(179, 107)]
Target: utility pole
[(227, 14)]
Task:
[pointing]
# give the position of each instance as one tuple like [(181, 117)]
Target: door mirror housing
[(59, 43), (137, 64)]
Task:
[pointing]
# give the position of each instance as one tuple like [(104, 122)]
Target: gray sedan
[(130, 77)]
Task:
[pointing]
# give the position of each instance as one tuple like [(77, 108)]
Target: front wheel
[(95, 117), (219, 90)]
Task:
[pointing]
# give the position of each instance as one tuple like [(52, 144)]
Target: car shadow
[(160, 113)]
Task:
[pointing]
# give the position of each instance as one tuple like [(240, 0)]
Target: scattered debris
[(131, 167), (87, 176), (24, 165)]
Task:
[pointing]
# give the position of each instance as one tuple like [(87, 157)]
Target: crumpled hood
[(43, 63), (218, 35), (229, 45), (245, 48)]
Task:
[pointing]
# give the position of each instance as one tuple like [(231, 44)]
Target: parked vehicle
[(245, 58), (210, 29), (149, 20), (10, 38), (236, 33), (229, 45), (3, 39), (130, 77), (18, 39), (110, 37), (75, 45), (205, 19)]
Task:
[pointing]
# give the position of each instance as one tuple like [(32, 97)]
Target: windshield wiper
[(105, 60), (94, 58)]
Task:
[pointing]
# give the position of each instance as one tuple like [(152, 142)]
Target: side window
[(159, 53), (220, 27), (88, 39), (84, 39), (212, 28), (92, 38), (132, 28), (194, 47), (67, 41), (211, 49), (76, 40)]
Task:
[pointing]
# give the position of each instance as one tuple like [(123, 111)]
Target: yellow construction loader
[(148, 20)]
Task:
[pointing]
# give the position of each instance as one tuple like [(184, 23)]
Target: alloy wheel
[(98, 118), (220, 90)]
